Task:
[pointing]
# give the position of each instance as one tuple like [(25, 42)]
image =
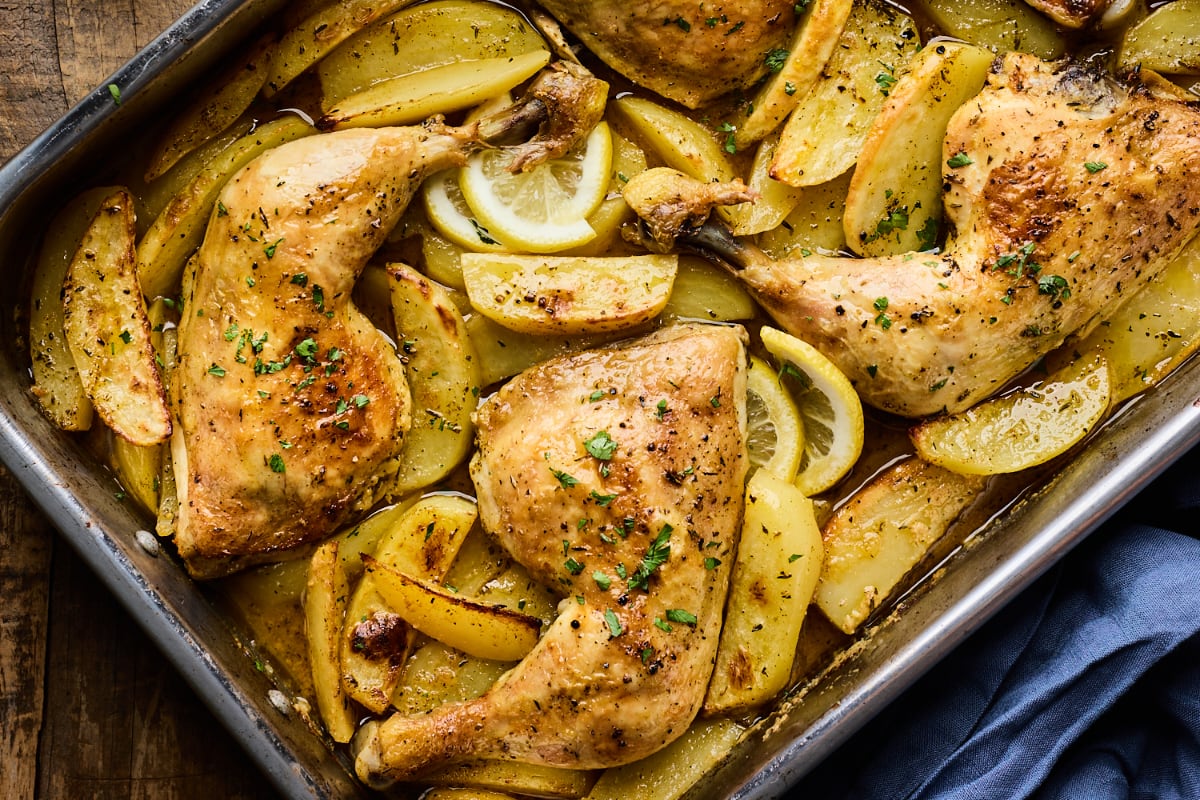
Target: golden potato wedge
[(375, 640), (178, 230), (874, 540), (224, 99), (675, 139), (669, 773), (702, 291), (107, 328), (775, 199), (814, 225), (825, 132), (56, 383), (503, 352), (1168, 40), (568, 294), (1023, 428), (440, 90), (443, 377), (998, 25), (894, 204), (778, 564), (1152, 332), (445, 793), (436, 674), (324, 611), (527, 780), (478, 629), (423, 37), (813, 42), (316, 35)]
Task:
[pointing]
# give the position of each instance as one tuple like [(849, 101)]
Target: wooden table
[(88, 706)]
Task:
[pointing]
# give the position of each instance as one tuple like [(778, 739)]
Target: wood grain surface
[(88, 707)]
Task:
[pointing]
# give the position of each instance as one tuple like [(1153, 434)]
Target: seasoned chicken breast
[(616, 476), (1067, 194)]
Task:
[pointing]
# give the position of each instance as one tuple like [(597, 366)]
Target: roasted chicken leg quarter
[(615, 475), (1070, 192)]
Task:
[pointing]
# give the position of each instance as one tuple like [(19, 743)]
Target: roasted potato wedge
[(178, 230), (107, 328), (527, 780), (443, 376), (503, 352), (823, 136), (998, 25), (812, 44), (814, 225), (411, 98), (436, 674), (222, 102), (775, 199), (1168, 40), (1023, 428), (667, 774), (325, 598), (478, 629), (568, 295), (702, 291), (423, 37), (778, 564), (894, 204), (675, 139), (874, 540), (56, 382)]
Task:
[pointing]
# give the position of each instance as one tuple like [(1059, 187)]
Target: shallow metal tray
[(79, 494)]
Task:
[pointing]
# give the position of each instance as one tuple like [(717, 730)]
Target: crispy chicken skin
[(618, 674), (291, 405), (685, 51), (1078, 192)]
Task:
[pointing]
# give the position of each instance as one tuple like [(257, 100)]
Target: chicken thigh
[(1069, 193), (616, 476), (290, 406), (685, 51)]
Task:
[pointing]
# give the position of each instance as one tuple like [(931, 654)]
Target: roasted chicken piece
[(1065, 193), (1072, 13), (686, 51), (290, 406), (616, 476)]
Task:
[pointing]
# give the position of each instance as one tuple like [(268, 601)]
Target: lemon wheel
[(448, 211), (829, 407), (775, 432), (545, 209)]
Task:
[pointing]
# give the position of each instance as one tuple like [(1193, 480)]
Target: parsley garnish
[(775, 59), (217, 370), (564, 480), (1054, 285), (656, 555), (959, 159), (602, 580), (1094, 166), (614, 625), (601, 446), (681, 616), (275, 462)]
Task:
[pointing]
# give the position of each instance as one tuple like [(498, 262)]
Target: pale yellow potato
[(108, 330), (1152, 332), (443, 377), (527, 780), (425, 36), (998, 25), (478, 629), (778, 564), (669, 773), (314, 36), (775, 199), (436, 674), (375, 640), (894, 204), (570, 295), (56, 383), (825, 132), (814, 225), (503, 352), (812, 44), (412, 98), (1021, 429), (702, 291), (324, 611), (223, 100), (675, 139), (873, 541), (168, 492), (179, 228), (465, 794), (1168, 40)]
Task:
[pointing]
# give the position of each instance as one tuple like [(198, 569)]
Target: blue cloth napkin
[(1086, 686)]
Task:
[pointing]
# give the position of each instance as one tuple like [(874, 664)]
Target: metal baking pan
[(80, 495)]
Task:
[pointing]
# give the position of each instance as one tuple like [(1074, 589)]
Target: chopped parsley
[(601, 446), (614, 625), (959, 159), (1054, 285), (681, 616), (564, 480), (275, 462), (775, 59), (1094, 166), (656, 555)]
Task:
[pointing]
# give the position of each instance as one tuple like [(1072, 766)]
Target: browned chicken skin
[(290, 406), (689, 52), (1078, 193), (615, 475), (1072, 13)]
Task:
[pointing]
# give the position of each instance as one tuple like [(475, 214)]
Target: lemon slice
[(829, 407), (775, 432), (1021, 429), (545, 209), (448, 211)]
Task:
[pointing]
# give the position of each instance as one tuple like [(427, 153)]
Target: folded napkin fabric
[(1086, 686)]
